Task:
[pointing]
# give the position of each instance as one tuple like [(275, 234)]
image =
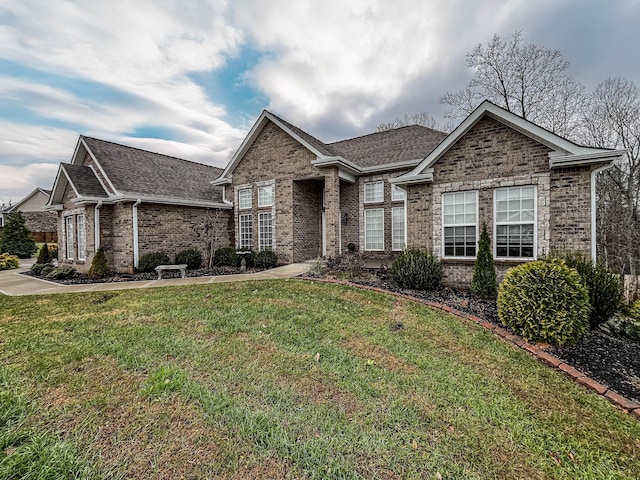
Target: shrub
[(150, 261), (46, 269), (9, 262), (351, 247), (350, 262), (544, 301), (225, 257), (417, 269), (192, 257), (265, 259), (99, 266), (16, 238), (53, 251), (44, 256), (36, 268), (483, 283), (605, 287), (61, 273)]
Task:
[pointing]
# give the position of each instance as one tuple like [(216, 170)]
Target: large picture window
[(265, 231), (244, 198), (265, 196), (515, 213), (69, 237), (374, 229), (82, 237), (245, 230), (397, 228), (373, 192), (460, 221)]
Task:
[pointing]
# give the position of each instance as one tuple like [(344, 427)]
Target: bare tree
[(420, 118), (527, 80), (611, 119)]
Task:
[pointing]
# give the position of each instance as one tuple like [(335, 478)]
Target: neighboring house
[(42, 223), (417, 187), (132, 202)]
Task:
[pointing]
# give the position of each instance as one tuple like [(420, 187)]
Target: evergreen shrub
[(191, 257), (225, 257), (417, 269), (16, 238), (9, 262), (265, 259), (150, 261), (44, 256), (484, 283), (99, 266)]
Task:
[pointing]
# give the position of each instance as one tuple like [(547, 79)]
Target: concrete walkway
[(14, 284)]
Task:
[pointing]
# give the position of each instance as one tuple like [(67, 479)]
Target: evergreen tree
[(16, 238), (484, 282), (45, 255), (99, 266)]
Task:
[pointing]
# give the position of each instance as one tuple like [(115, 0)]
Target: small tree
[(484, 282), (16, 238), (44, 256), (99, 266)]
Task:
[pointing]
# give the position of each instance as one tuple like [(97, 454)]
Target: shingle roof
[(412, 142), (133, 171), (84, 180), (310, 139)]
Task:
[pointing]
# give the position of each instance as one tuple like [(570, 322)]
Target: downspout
[(594, 173), (135, 232), (96, 226)]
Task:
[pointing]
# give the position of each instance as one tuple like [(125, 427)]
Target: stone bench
[(162, 268)]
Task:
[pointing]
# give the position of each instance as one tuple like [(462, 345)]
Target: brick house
[(418, 187), (132, 202), (42, 223)]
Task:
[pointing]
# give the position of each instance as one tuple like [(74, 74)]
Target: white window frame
[(465, 224), (68, 231), (241, 205), (373, 192), (245, 236), (534, 222), (81, 232), (398, 194), (395, 231), (262, 235), (264, 200), (366, 224)]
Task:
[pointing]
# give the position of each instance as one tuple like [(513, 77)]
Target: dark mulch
[(81, 278), (612, 361)]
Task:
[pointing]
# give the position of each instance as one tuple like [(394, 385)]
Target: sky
[(189, 78)]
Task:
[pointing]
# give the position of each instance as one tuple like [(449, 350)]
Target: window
[(515, 213), (265, 196), (69, 237), (373, 192), (82, 237), (265, 231), (398, 194), (374, 229), (459, 221), (246, 230), (244, 198), (397, 228)]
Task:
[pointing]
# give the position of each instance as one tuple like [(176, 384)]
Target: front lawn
[(286, 379)]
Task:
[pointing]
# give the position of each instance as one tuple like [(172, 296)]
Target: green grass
[(286, 379)]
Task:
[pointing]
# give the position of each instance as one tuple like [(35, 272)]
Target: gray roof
[(310, 139), (133, 171), (412, 142), (84, 180)]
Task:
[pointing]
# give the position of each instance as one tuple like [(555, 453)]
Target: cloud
[(17, 181)]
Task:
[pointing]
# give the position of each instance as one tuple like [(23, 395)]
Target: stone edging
[(618, 400)]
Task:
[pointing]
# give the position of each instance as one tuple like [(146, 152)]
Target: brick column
[(332, 211)]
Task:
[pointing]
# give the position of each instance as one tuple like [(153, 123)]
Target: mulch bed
[(612, 361)]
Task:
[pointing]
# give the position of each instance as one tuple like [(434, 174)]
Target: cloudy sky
[(189, 78)]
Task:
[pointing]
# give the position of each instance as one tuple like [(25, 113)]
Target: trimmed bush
[(225, 257), (44, 256), (46, 269), (99, 266), (16, 238), (484, 283), (150, 261), (544, 301), (36, 268), (61, 273), (9, 262), (192, 257), (265, 259), (417, 269), (605, 287)]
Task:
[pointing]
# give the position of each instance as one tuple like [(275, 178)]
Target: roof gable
[(37, 192)]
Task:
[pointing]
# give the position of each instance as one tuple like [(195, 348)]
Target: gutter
[(134, 212), (594, 173), (96, 225)]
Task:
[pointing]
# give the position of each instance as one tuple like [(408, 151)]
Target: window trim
[(381, 209), (443, 225), (82, 250), (534, 222), (262, 188), (247, 189), (364, 193), (240, 244), (68, 235), (260, 236), (404, 229)]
